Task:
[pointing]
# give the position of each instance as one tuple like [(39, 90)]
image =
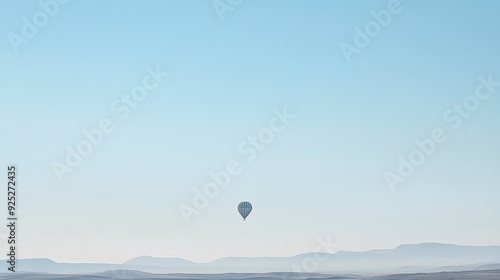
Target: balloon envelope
[(245, 208)]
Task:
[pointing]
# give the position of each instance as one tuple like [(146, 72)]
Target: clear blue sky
[(323, 175)]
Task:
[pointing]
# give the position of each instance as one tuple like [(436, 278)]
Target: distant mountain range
[(428, 257), (137, 275)]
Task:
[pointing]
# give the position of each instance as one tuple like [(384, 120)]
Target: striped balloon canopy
[(245, 208)]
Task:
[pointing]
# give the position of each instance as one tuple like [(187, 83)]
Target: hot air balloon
[(245, 208)]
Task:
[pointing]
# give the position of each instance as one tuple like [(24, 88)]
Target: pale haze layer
[(322, 174)]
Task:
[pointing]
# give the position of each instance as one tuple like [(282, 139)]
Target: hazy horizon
[(406, 259), (277, 256)]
